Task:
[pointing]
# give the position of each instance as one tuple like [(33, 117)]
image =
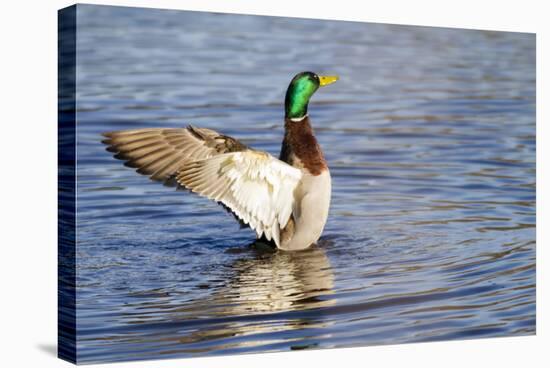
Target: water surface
[(430, 139)]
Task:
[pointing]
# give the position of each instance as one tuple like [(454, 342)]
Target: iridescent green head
[(300, 90)]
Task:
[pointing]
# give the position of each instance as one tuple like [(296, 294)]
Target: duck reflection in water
[(280, 281), (284, 284), (291, 288)]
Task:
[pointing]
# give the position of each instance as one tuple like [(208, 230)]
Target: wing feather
[(255, 186), (161, 152)]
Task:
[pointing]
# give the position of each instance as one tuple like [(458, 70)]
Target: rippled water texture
[(430, 138)]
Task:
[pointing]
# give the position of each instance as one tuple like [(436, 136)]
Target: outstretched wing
[(258, 188), (161, 152)]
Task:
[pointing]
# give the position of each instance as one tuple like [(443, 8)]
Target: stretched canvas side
[(66, 319)]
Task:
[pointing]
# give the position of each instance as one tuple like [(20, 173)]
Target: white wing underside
[(257, 187)]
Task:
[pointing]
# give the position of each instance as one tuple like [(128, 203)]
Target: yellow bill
[(325, 80)]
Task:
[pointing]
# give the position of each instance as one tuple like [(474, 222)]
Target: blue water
[(430, 139)]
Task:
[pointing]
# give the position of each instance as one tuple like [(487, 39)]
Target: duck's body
[(285, 200), (312, 196)]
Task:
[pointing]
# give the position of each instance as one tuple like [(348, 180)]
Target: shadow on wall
[(50, 349)]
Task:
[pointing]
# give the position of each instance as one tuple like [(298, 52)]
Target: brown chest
[(301, 149)]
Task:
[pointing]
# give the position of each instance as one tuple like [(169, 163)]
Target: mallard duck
[(285, 201)]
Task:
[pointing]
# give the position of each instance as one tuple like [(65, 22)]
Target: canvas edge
[(66, 189)]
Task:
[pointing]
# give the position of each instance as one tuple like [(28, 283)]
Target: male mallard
[(285, 200)]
